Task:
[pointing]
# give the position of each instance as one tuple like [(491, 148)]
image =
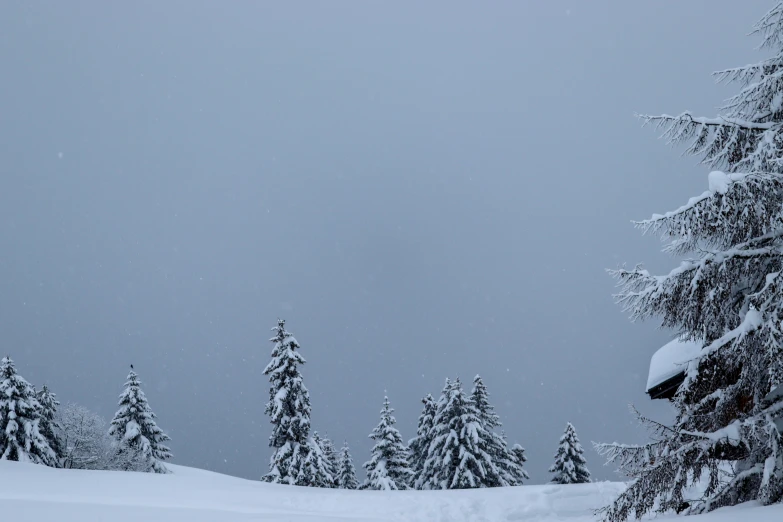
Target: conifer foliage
[(419, 445), (458, 456), (570, 466), (20, 415), (48, 425), (346, 475), (519, 454), (728, 295), (509, 467), (388, 467), (329, 458), (297, 459), (140, 443), (332, 458)]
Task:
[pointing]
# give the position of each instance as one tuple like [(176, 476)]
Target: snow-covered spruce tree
[(519, 455), (388, 467), (729, 296), (297, 459), (509, 469), (458, 456), (330, 456), (48, 425), (140, 443), (316, 470), (510, 462), (419, 445), (570, 466), (346, 475), (20, 415)]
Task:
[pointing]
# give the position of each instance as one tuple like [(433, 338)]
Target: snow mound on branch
[(719, 181)]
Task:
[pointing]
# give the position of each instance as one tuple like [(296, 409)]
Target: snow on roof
[(671, 360)]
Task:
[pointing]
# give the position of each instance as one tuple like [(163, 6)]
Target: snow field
[(34, 493)]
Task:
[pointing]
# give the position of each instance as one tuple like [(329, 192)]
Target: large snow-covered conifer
[(419, 445), (509, 469), (20, 415), (297, 459), (570, 466), (140, 443), (458, 455), (346, 475), (388, 467), (728, 295), (48, 425)]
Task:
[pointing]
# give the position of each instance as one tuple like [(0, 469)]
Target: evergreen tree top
[(132, 400), (14, 387), (427, 415), (48, 401), (385, 432), (284, 354), (746, 135), (7, 368), (486, 412)]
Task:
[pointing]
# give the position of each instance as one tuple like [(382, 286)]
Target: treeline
[(456, 446), (34, 429), (458, 442)]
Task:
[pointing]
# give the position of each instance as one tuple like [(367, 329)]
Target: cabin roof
[(670, 361)]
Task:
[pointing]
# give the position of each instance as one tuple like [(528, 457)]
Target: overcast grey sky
[(422, 189)]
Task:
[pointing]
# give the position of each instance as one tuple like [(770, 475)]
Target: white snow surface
[(719, 181), (670, 360), (36, 493)]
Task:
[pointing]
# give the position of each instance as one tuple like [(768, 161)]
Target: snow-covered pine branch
[(770, 28), (746, 136), (709, 221)]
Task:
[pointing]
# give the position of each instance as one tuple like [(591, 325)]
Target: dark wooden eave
[(668, 388)]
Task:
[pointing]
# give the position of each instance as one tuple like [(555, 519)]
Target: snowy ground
[(37, 493)]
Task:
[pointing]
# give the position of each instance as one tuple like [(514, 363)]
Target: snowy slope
[(36, 493)]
